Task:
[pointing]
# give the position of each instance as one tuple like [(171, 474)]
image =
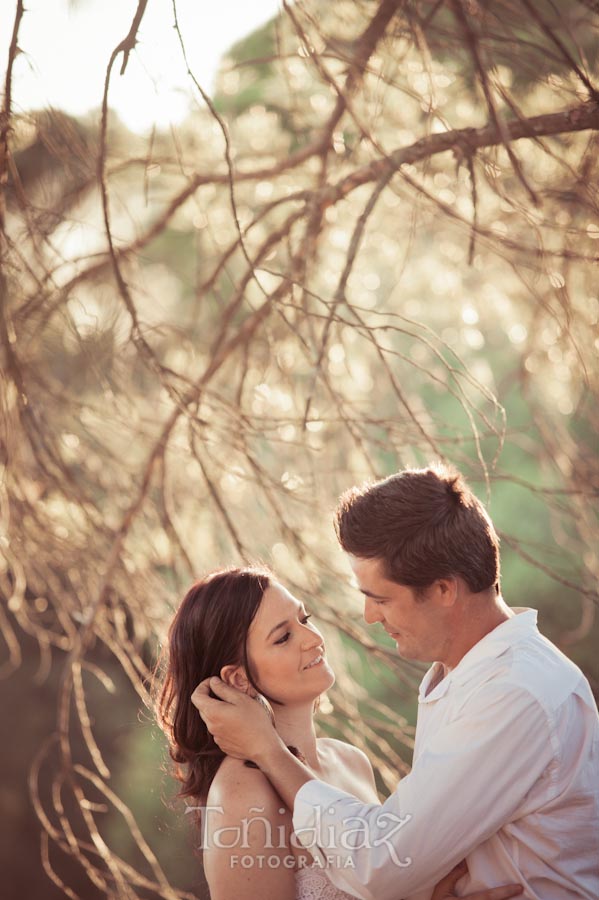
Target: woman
[(244, 626)]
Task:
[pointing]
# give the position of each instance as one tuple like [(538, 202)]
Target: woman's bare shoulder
[(239, 788), (245, 819), (349, 768), (348, 753)]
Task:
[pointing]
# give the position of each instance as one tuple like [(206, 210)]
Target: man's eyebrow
[(371, 594)]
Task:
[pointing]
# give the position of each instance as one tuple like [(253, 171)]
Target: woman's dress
[(311, 883)]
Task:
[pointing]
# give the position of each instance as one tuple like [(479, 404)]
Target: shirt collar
[(492, 645)]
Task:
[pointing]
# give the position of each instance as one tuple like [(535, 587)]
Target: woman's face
[(286, 652)]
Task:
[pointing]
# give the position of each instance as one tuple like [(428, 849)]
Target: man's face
[(421, 628)]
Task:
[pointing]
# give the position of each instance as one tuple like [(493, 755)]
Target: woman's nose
[(311, 638)]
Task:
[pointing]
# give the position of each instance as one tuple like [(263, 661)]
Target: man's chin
[(413, 656), (406, 652)]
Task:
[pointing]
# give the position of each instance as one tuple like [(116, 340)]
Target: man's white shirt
[(505, 773)]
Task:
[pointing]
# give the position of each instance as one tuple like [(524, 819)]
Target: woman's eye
[(287, 635)]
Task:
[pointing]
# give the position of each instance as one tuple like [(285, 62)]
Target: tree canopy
[(374, 245)]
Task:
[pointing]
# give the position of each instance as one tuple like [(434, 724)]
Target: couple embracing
[(503, 796)]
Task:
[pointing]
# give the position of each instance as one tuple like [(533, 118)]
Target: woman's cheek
[(272, 676)]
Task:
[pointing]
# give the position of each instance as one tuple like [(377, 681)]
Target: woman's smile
[(317, 661)]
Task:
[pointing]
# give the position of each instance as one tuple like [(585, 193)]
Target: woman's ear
[(237, 678)]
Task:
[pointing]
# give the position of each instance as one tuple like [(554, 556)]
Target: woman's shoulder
[(246, 837), (347, 753), (349, 768), (239, 788)]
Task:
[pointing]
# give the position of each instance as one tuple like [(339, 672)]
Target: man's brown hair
[(424, 524)]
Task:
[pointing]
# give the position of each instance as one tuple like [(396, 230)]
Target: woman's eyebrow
[(280, 625), (301, 608)]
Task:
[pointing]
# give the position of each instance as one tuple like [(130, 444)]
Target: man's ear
[(447, 590), (237, 678)]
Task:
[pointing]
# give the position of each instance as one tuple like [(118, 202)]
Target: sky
[(66, 45)]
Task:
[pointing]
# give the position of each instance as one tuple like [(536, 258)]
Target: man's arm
[(467, 783)]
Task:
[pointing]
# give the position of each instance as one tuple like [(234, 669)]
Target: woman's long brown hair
[(209, 631)]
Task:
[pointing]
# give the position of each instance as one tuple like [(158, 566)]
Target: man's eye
[(283, 639)]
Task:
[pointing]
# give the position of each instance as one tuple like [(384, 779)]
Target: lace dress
[(311, 883)]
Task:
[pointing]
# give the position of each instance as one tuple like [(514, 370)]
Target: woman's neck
[(295, 724)]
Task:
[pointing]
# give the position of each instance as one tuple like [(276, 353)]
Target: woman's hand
[(446, 887)]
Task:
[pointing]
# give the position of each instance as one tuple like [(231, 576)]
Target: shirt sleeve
[(468, 781)]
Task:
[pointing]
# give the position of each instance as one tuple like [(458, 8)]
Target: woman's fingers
[(498, 893), (445, 887)]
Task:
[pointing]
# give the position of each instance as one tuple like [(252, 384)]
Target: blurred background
[(251, 255)]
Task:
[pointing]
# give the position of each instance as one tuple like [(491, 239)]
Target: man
[(506, 761)]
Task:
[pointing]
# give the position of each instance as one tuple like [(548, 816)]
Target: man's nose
[(372, 613)]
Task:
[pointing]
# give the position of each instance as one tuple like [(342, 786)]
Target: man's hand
[(446, 887), (240, 726)]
